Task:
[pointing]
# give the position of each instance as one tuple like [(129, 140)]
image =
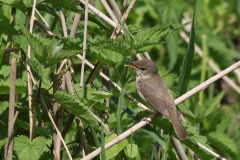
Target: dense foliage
[(154, 26)]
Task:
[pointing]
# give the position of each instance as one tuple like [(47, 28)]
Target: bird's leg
[(153, 115)]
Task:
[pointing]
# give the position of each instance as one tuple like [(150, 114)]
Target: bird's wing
[(157, 95)]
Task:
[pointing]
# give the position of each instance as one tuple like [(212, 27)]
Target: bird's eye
[(143, 68)]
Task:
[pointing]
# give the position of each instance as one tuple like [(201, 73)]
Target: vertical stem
[(204, 66), (120, 102), (30, 90), (84, 43), (9, 147), (9, 39)]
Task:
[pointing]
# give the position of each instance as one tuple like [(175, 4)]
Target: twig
[(124, 6), (108, 9), (82, 135), (84, 43), (115, 8), (207, 83), (63, 22), (49, 114), (43, 27), (30, 90), (12, 49), (9, 38), (123, 19), (78, 121), (179, 149), (108, 20), (42, 17), (9, 146), (75, 24)]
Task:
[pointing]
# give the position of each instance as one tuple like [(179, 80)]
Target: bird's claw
[(145, 119)]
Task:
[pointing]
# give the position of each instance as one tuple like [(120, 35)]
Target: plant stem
[(120, 102)]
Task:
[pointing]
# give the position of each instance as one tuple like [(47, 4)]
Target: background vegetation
[(212, 115)]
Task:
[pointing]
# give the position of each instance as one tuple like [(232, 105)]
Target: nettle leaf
[(131, 150), (3, 142), (76, 107), (224, 144), (99, 21), (152, 36), (27, 149), (16, 4), (21, 86), (5, 70), (48, 9), (103, 94), (3, 106), (5, 28), (66, 4), (92, 28), (47, 51), (114, 150)]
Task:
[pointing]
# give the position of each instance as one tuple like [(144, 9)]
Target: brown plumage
[(152, 89)]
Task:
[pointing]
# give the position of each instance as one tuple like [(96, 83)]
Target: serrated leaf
[(76, 107), (3, 106), (48, 9), (70, 5), (3, 142), (103, 94), (224, 144), (114, 150), (183, 107), (131, 150), (21, 86), (27, 149), (5, 28)]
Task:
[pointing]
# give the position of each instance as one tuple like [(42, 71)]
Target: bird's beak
[(132, 65)]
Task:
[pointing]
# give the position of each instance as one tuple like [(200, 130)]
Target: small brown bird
[(152, 89)]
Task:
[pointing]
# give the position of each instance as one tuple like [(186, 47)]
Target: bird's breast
[(138, 89)]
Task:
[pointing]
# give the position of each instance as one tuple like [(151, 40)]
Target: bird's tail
[(178, 127)]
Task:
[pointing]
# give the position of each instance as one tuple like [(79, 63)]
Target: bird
[(153, 90)]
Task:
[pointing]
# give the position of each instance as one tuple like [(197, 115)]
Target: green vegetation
[(153, 26)]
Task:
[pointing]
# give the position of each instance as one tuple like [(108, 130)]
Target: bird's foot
[(146, 118)]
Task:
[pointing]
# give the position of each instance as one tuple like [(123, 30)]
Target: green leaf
[(165, 124), (5, 28), (76, 107), (48, 9), (103, 94), (131, 150), (21, 86), (114, 150), (187, 64), (210, 106), (171, 155), (27, 149), (71, 5), (224, 144), (3, 106), (186, 109), (3, 142)]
